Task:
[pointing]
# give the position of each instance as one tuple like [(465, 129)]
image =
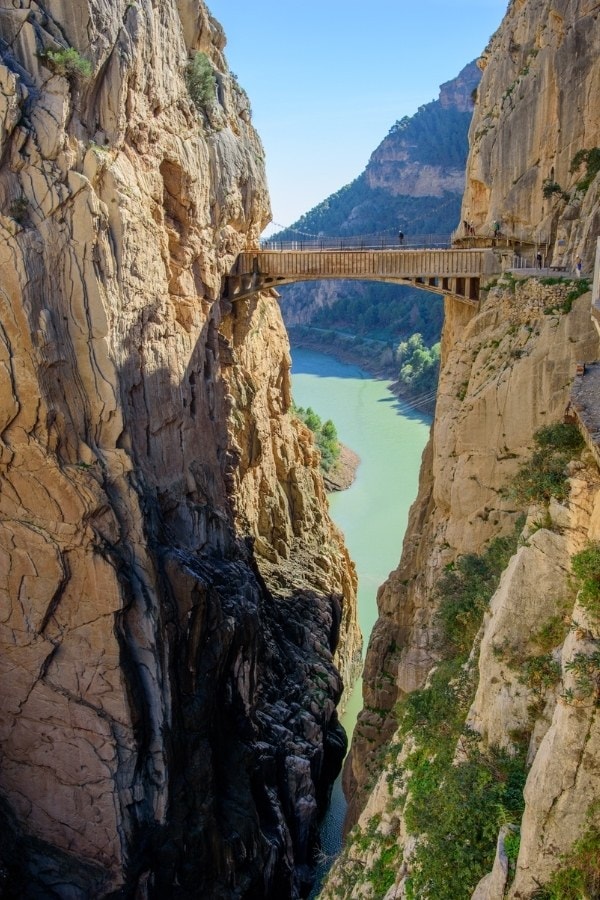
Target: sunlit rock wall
[(537, 108)]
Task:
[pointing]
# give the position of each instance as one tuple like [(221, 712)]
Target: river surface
[(389, 438)]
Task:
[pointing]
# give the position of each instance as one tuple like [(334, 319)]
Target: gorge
[(178, 612)]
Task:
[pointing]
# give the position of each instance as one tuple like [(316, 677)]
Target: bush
[(201, 81), (69, 62), (418, 365), (19, 209), (586, 568), (465, 590), (458, 838), (550, 188), (544, 475), (326, 437), (591, 158)]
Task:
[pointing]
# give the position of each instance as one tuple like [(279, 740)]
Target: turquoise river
[(389, 438)]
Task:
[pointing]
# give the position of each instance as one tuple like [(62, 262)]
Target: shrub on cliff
[(579, 875), (586, 568), (458, 839), (544, 475), (200, 80), (69, 62)]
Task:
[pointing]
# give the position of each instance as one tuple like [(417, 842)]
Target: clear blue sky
[(328, 78)]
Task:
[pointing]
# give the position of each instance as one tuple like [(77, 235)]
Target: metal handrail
[(362, 242)]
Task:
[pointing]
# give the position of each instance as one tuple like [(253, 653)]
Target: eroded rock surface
[(537, 109), (172, 592)]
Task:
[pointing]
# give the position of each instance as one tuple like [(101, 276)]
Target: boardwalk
[(455, 272)]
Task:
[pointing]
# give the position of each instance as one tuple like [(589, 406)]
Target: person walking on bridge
[(401, 238)]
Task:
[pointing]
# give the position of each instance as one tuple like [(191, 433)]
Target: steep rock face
[(507, 372), (537, 108), (168, 714), (401, 165)]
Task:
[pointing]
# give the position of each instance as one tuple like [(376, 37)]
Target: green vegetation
[(579, 875), (464, 591), (381, 873), (586, 569), (325, 434), (591, 158), (69, 62), (539, 673), (551, 188), (544, 475), (460, 835), (458, 839), (579, 286), (586, 669), (419, 365), (386, 312), (200, 80), (19, 209)]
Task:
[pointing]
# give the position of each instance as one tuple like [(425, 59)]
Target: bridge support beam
[(447, 272)]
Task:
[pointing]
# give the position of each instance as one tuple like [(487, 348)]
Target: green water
[(389, 438)]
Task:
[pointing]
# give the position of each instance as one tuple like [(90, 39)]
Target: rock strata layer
[(176, 606)]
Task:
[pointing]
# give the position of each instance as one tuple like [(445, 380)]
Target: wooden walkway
[(455, 272)]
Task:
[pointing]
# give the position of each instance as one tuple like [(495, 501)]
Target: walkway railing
[(381, 241)]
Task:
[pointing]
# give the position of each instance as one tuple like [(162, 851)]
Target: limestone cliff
[(172, 591), (508, 372), (524, 694), (537, 112)]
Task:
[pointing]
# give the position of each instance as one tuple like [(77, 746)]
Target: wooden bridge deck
[(455, 272)]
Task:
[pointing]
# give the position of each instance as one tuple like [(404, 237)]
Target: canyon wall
[(172, 591), (507, 371), (536, 112), (507, 374)]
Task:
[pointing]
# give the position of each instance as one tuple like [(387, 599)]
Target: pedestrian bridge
[(452, 272)]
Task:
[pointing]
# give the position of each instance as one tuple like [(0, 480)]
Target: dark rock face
[(256, 741)]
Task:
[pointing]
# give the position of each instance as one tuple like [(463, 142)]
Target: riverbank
[(370, 354), (343, 474)]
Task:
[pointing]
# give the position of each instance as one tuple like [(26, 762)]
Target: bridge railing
[(384, 241)]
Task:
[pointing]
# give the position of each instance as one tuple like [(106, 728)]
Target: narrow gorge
[(177, 610)]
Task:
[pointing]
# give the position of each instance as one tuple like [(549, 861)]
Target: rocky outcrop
[(507, 373), (507, 370), (537, 109), (403, 164), (172, 590)]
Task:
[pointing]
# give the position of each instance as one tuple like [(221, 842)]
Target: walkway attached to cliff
[(443, 271)]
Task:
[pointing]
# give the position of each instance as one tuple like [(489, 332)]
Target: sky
[(327, 79)]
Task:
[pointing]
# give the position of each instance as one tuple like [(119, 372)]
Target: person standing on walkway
[(578, 266), (539, 260), (401, 238)]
